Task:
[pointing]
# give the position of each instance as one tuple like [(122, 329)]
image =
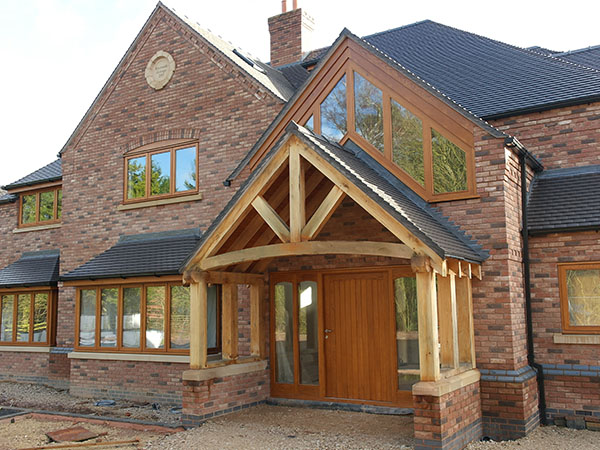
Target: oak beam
[(229, 322), (297, 196), (323, 213), (198, 324), (257, 326), (466, 333), (307, 248), (272, 219), (429, 356), (233, 277), (448, 325)]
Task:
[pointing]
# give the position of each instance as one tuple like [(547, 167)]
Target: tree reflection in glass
[(136, 177), (185, 169), (160, 183), (333, 112), (29, 207), (449, 165), (407, 142), (46, 206), (108, 317), (40, 318), (368, 107)]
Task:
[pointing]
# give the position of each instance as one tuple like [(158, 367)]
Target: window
[(152, 317), (429, 158), (26, 317), (407, 329), (40, 208), (161, 173), (580, 297)]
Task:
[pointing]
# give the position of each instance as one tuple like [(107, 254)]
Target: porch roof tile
[(149, 254), (32, 269)]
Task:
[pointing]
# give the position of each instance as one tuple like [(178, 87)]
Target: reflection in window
[(583, 295), (449, 165), (368, 107), (284, 332), (333, 112), (136, 177), (407, 142), (59, 204), (46, 206), (131, 317), (185, 169), (308, 333), (108, 317), (6, 332), (212, 311), (407, 337), (160, 183), (40, 318), (155, 317), (180, 317), (23, 317), (87, 318), (29, 207), (310, 123)]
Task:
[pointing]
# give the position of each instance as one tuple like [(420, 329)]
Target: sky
[(59, 53)]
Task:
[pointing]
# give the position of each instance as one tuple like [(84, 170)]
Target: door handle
[(328, 330)]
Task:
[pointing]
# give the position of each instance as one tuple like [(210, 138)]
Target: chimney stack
[(290, 35)]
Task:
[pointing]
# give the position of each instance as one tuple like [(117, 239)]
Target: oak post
[(229, 329), (448, 320), (198, 323), (429, 355), (297, 196), (257, 332)]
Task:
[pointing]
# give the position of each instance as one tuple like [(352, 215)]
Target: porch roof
[(149, 254), (50, 172), (32, 269)]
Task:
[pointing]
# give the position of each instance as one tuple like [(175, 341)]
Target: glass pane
[(407, 142), (180, 317), (211, 306), (108, 317), (46, 206), (136, 177), (59, 204), (161, 174), (284, 332), (407, 333), (29, 207), (87, 318), (333, 112), (40, 318), (6, 332), (449, 165), (310, 123), (308, 333), (132, 298), (155, 317), (23, 317), (368, 107), (185, 169), (583, 292)]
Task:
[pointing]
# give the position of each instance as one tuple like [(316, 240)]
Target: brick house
[(342, 226)]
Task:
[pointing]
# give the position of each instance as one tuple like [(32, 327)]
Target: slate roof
[(564, 200), (589, 57), (424, 221), (150, 254), (50, 172), (32, 269)]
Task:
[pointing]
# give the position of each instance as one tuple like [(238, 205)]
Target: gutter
[(524, 155)]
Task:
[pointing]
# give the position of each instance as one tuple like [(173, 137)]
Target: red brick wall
[(450, 421), (37, 368)]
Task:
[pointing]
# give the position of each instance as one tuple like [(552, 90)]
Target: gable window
[(166, 172), (40, 208), (421, 148), (580, 297), (25, 317), (153, 317)]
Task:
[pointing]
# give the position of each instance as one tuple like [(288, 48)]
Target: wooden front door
[(360, 345)]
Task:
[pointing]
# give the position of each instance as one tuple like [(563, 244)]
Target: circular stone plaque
[(159, 70)]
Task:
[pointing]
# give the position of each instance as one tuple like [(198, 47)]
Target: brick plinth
[(450, 421), (209, 398), (132, 380), (572, 396)]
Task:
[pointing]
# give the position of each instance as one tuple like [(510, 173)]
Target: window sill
[(147, 357), (37, 228), (162, 201), (576, 338), (24, 349)]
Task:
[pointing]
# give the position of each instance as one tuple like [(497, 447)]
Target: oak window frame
[(385, 158), (50, 316), (567, 328), (148, 152), (37, 222), (142, 349)]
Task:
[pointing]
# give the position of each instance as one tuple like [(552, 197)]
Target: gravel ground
[(33, 396)]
